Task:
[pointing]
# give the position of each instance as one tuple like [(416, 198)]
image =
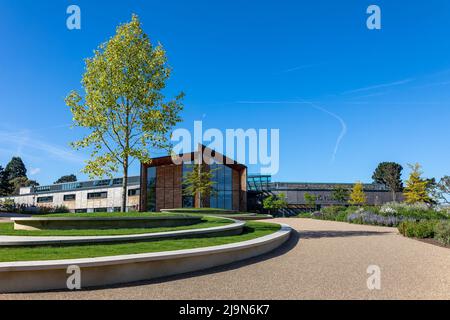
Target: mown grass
[(252, 230), (104, 215), (7, 229)]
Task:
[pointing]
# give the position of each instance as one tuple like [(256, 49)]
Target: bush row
[(427, 229)]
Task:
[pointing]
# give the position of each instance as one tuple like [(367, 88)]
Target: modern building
[(261, 186), (80, 197), (162, 182)]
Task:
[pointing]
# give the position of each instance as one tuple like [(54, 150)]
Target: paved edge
[(34, 276)]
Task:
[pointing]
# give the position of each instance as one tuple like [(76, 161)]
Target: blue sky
[(309, 68)]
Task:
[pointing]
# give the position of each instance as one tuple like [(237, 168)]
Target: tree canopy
[(124, 108), (275, 202), (15, 168), (66, 179), (5, 185), (199, 182), (417, 188), (390, 175), (340, 194), (357, 196)]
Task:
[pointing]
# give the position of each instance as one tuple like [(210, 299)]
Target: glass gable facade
[(222, 197), (188, 201)]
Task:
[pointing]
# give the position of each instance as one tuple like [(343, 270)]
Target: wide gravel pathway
[(323, 260)]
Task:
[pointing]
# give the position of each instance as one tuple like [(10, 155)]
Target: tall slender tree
[(417, 188), (199, 183), (357, 196), (16, 168), (124, 108), (390, 175), (5, 185)]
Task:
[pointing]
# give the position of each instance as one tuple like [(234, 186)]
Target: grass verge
[(252, 230), (7, 229)]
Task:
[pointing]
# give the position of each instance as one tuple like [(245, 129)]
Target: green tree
[(390, 175), (340, 194), (275, 202), (66, 179), (199, 182), (357, 196), (417, 188), (5, 185), (124, 107), (16, 168), (311, 200), (441, 192), (22, 182)]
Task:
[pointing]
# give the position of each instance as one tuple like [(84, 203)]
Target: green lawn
[(7, 229), (104, 215), (253, 230)]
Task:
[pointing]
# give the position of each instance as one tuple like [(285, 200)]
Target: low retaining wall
[(102, 223), (232, 229), (52, 275)]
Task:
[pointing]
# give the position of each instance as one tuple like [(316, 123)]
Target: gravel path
[(323, 260)]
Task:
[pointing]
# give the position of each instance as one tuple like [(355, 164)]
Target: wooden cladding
[(169, 187)]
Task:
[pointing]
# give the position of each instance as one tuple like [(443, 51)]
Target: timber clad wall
[(169, 187)]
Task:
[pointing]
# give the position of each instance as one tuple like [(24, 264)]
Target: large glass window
[(151, 189), (222, 197), (188, 201)]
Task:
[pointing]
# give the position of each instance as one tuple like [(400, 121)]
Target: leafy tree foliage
[(199, 182), (390, 175), (311, 200), (16, 168), (357, 196), (124, 107), (417, 188), (66, 179), (275, 202), (5, 185), (22, 182), (442, 190), (340, 194)]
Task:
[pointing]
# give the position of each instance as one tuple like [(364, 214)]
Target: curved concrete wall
[(52, 275), (221, 231)]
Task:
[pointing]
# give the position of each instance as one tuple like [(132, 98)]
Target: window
[(188, 201), (97, 210), (134, 192), (69, 197), (97, 195), (71, 186), (80, 210), (117, 209), (151, 189), (101, 183), (44, 199), (223, 186)]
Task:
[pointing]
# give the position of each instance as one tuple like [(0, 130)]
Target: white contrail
[(315, 106)]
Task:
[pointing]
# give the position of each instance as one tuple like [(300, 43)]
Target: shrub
[(418, 229), (418, 211), (367, 217), (442, 232)]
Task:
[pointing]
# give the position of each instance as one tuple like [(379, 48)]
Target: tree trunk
[(394, 196), (125, 186)]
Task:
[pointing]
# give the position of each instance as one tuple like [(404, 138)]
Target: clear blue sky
[(262, 60)]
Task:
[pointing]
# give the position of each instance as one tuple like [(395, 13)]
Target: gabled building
[(162, 182)]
